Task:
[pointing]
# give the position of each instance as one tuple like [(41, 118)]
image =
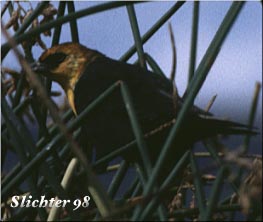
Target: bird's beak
[(39, 67)]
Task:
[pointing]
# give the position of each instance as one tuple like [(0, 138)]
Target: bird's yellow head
[(64, 64)]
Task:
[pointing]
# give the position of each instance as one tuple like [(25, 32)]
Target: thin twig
[(175, 98), (210, 103), (10, 72), (220, 154), (113, 167), (252, 115), (5, 7), (173, 71)]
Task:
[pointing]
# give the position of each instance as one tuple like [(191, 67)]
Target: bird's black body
[(84, 74), (109, 128)]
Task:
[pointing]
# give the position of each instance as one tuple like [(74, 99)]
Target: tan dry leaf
[(251, 189)]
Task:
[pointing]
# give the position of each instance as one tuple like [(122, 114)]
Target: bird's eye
[(55, 59)]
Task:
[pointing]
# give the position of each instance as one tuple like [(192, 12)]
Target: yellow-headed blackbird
[(85, 73)]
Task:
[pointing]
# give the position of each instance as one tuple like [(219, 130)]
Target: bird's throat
[(70, 96)]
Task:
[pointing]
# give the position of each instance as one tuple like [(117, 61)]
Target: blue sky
[(235, 71)]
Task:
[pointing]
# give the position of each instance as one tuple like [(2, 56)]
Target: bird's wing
[(109, 125), (144, 87), (152, 93)]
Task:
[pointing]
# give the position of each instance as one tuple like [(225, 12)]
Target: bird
[(84, 74)]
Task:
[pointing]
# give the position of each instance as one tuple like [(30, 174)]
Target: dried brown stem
[(173, 71), (210, 103)]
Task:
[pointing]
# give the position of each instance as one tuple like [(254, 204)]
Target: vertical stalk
[(136, 34), (194, 38), (73, 23)]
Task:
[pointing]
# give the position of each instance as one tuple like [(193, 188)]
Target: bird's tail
[(212, 126)]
